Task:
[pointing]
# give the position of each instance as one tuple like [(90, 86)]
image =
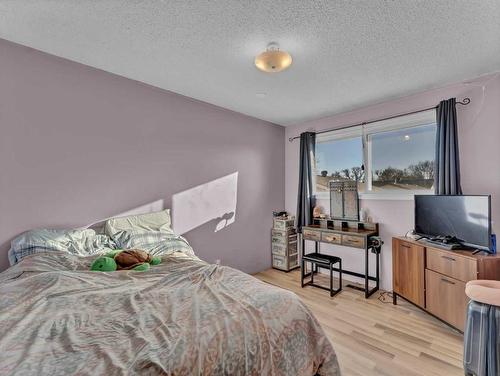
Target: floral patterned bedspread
[(182, 317)]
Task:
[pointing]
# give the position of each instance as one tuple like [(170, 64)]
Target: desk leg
[(316, 249), (312, 272), (302, 252), (378, 270), (367, 291), (301, 245)]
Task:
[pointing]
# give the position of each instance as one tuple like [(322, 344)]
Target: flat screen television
[(467, 218)]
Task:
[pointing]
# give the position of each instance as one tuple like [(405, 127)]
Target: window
[(394, 156), (339, 156)]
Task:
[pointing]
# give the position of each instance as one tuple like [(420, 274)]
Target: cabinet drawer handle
[(449, 258), (405, 246), (445, 280)]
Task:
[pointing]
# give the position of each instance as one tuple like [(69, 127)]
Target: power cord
[(408, 233), (385, 297)]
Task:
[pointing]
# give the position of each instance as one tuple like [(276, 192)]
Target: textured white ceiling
[(347, 54)]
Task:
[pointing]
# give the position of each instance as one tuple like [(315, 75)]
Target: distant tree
[(354, 173), (390, 174), (324, 173), (357, 173), (346, 173), (422, 170)]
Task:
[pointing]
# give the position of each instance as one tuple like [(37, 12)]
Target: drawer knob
[(449, 258), (447, 281)]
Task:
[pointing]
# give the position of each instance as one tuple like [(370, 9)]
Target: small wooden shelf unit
[(434, 279)]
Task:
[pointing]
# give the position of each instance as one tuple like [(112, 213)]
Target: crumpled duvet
[(182, 317), (80, 242)]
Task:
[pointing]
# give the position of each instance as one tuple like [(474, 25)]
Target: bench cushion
[(321, 258)]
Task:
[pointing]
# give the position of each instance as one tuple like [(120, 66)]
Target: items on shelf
[(280, 214), (318, 212)]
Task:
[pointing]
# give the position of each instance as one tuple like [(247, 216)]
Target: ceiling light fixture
[(272, 59)]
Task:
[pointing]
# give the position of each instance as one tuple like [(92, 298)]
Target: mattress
[(182, 317)]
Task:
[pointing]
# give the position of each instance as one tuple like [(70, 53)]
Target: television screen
[(464, 217)]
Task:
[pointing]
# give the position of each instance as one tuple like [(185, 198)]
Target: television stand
[(434, 279)]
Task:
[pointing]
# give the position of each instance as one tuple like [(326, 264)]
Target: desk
[(349, 234)]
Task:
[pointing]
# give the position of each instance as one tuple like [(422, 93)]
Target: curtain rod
[(465, 102)]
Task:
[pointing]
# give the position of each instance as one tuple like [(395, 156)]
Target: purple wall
[(479, 137), (78, 144)]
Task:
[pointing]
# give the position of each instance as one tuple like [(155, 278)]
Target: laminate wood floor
[(376, 338)]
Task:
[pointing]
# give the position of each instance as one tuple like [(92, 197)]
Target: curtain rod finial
[(464, 102)]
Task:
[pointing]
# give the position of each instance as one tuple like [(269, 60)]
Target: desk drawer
[(311, 234), (328, 237), (353, 241), (451, 264)]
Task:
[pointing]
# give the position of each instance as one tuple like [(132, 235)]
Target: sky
[(390, 148), (334, 156)]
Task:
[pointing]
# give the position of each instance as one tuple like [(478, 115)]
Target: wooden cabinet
[(434, 279), (408, 263)]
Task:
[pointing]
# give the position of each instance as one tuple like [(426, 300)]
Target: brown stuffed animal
[(131, 258), (135, 259)]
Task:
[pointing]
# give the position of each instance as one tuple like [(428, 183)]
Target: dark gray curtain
[(305, 199), (447, 166)]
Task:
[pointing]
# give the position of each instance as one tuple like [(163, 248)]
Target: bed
[(182, 317)]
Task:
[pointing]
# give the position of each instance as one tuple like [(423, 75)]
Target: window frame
[(337, 135), (396, 123)]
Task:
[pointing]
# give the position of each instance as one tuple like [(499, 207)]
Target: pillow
[(78, 242), (157, 221), (157, 243)]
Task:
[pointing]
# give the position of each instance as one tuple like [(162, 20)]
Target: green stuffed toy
[(131, 259)]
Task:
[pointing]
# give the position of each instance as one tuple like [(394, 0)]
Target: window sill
[(391, 196)]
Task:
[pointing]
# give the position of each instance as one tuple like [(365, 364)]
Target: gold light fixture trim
[(273, 60)]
